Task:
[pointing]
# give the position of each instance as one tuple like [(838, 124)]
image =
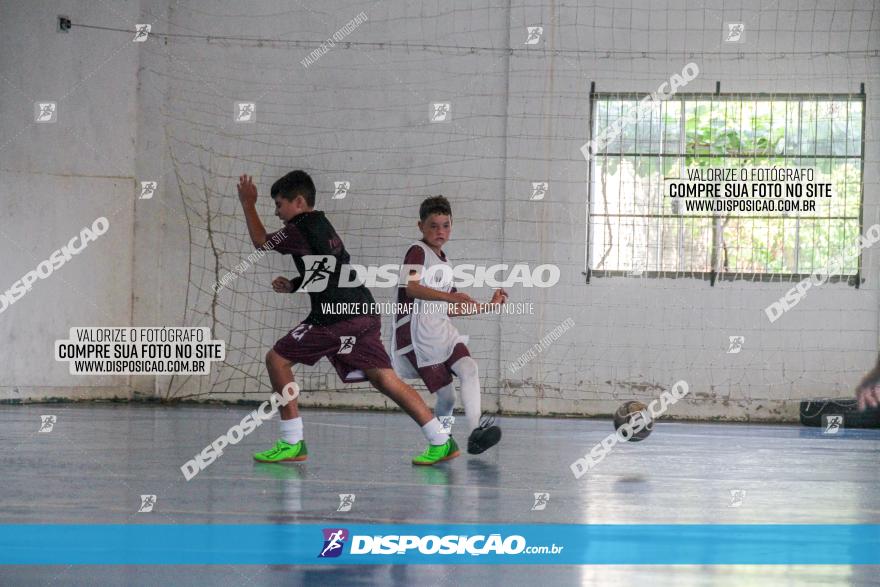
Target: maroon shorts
[(438, 376), (352, 346)]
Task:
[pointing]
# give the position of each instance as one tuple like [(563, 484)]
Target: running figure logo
[(147, 503), (142, 33), (245, 112), (534, 35), (341, 189), (319, 268), (148, 188), (346, 345), (45, 112), (539, 190), (47, 423), (447, 422), (735, 32), (736, 344), (334, 540), (346, 501), (440, 111), (833, 424), (737, 496), (541, 501)]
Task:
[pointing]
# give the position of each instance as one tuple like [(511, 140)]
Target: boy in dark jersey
[(350, 341)]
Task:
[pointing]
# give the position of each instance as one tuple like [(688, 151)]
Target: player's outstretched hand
[(247, 191), (868, 391), (868, 395), (462, 298), (499, 297), (282, 285)]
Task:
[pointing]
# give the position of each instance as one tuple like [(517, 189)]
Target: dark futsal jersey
[(320, 257)]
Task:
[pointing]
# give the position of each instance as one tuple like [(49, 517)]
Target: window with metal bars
[(634, 229)]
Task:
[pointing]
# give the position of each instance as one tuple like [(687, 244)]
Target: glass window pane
[(634, 227)]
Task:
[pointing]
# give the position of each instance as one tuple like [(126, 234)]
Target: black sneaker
[(484, 437)]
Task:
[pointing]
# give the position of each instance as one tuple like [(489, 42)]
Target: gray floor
[(99, 459)]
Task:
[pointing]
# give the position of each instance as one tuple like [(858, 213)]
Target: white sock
[(292, 430), (445, 400), (433, 431), (469, 374)]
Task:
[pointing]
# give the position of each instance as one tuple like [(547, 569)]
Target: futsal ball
[(636, 415)]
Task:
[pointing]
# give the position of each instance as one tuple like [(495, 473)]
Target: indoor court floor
[(98, 460)]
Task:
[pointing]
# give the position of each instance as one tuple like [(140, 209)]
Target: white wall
[(360, 113), (58, 178)]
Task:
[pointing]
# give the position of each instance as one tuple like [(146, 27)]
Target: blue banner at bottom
[(317, 544)]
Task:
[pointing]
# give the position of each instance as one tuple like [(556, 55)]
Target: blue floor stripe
[(705, 544)]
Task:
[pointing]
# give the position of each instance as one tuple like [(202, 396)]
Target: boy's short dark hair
[(296, 183), (434, 205)]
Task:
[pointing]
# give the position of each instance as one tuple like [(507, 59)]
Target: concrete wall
[(360, 113), (58, 178)]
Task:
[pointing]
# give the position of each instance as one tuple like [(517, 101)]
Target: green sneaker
[(283, 451), (436, 453)]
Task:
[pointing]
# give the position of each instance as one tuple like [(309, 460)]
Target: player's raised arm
[(247, 195)]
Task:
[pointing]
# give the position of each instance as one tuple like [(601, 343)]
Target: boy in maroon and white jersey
[(425, 344)]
